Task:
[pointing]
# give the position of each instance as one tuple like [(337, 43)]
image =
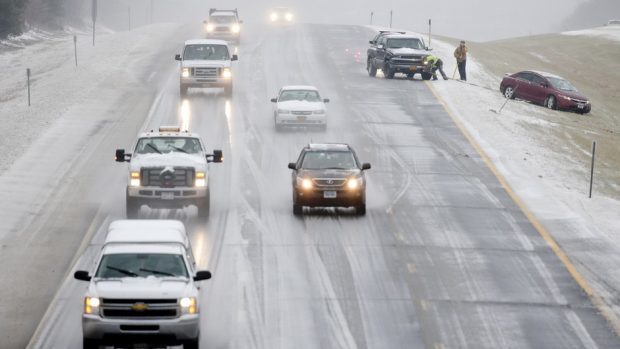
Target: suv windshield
[(405, 42), (299, 95), (206, 52), (222, 19), (141, 265), (161, 145), (323, 160), (561, 84)]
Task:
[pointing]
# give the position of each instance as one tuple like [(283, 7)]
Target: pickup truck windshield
[(324, 160), (141, 265), (405, 43), (299, 95), (162, 145), (206, 53)]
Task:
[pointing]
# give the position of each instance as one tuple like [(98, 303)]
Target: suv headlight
[(226, 73), (284, 111), (201, 179), (91, 305), (320, 111), (188, 305), (135, 179), (185, 73), (304, 183), (236, 28), (354, 183), (209, 27)]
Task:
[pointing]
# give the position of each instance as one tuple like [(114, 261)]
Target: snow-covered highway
[(444, 257)]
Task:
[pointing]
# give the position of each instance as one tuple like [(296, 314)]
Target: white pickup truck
[(206, 63), (168, 169), (143, 288)]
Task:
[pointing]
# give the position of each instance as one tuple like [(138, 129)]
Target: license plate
[(329, 194), (167, 196), (581, 106), (301, 118)]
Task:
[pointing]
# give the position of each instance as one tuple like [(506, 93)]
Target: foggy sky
[(478, 20)]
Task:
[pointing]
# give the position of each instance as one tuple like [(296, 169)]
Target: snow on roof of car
[(205, 42), (147, 223), (300, 87), (329, 146), (146, 236), (548, 75), (404, 36), (144, 248), (157, 133), (223, 13)]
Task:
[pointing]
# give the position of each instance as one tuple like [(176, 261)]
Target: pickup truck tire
[(132, 207), (89, 343), (228, 89), (191, 344), (389, 72), (370, 67), (183, 90), (426, 76), (205, 206)]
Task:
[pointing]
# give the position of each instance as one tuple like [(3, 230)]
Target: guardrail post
[(592, 167), (75, 48), (28, 83)]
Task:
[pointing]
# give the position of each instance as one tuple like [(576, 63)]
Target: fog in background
[(477, 20)]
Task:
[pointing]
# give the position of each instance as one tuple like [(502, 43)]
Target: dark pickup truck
[(396, 52)]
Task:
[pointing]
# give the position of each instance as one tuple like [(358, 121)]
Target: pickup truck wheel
[(183, 91), (205, 206), (132, 207), (426, 76), (297, 210), (370, 67), (88, 343), (191, 344), (389, 72)]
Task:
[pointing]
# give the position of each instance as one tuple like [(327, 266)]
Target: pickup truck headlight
[(354, 183), (91, 305), (284, 111), (188, 305), (226, 73), (236, 28), (185, 73), (304, 183), (209, 27), (274, 16), (201, 179), (134, 179)]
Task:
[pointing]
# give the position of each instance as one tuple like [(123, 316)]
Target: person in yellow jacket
[(461, 59), (435, 63)]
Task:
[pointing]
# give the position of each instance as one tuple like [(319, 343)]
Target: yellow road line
[(598, 302)]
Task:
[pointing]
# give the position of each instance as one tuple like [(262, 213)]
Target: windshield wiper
[(153, 147), (123, 271), (157, 272), (335, 168), (179, 149)]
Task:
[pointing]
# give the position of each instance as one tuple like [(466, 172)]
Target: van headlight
[(236, 28), (226, 73), (201, 179), (188, 305), (185, 73), (91, 305), (134, 179)]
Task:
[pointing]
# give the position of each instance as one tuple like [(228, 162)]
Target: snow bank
[(611, 32)]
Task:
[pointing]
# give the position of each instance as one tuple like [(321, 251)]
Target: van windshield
[(206, 52)]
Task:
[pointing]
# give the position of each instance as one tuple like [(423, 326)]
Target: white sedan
[(299, 106)]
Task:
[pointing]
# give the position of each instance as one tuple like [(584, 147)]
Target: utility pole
[(592, 168), (371, 15), (94, 13), (429, 32), (129, 18), (390, 18)]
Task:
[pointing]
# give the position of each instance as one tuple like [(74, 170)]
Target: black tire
[(427, 76), (360, 210), (132, 207), (183, 90), (509, 92), (410, 75), (89, 343), (389, 72), (191, 344), (228, 90), (551, 102), (205, 206), (370, 67), (298, 210)]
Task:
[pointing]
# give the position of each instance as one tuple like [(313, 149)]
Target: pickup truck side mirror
[(274, 100), (234, 58), (292, 165), (365, 166), (326, 100), (202, 275), (82, 275), (216, 157), (177, 57), (121, 156)]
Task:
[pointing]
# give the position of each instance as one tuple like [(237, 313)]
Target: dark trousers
[(462, 72), (439, 66)]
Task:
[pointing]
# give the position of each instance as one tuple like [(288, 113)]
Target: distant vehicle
[(281, 15), (168, 169), (328, 175), (299, 106), (545, 89), (613, 22), (143, 286), (395, 52), (223, 24), (206, 63)]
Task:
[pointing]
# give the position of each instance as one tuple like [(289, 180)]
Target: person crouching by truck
[(435, 63), (461, 59)]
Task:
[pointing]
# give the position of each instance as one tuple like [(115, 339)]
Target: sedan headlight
[(236, 28), (134, 180), (188, 305), (226, 73), (91, 305), (201, 179), (565, 97), (304, 183), (354, 183), (209, 27), (320, 111), (284, 111), (185, 73)]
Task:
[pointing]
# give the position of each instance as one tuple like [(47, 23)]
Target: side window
[(525, 76), (537, 80)]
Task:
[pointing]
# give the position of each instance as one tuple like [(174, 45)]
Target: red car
[(546, 89)]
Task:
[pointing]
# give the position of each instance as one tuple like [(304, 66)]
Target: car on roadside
[(223, 24), (206, 63), (281, 15), (143, 287), (395, 53), (328, 175), (299, 106), (549, 90), (168, 168), (613, 22)]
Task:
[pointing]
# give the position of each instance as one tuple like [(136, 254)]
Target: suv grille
[(329, 182), (139, 308), (156, 177), (222, 29)]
